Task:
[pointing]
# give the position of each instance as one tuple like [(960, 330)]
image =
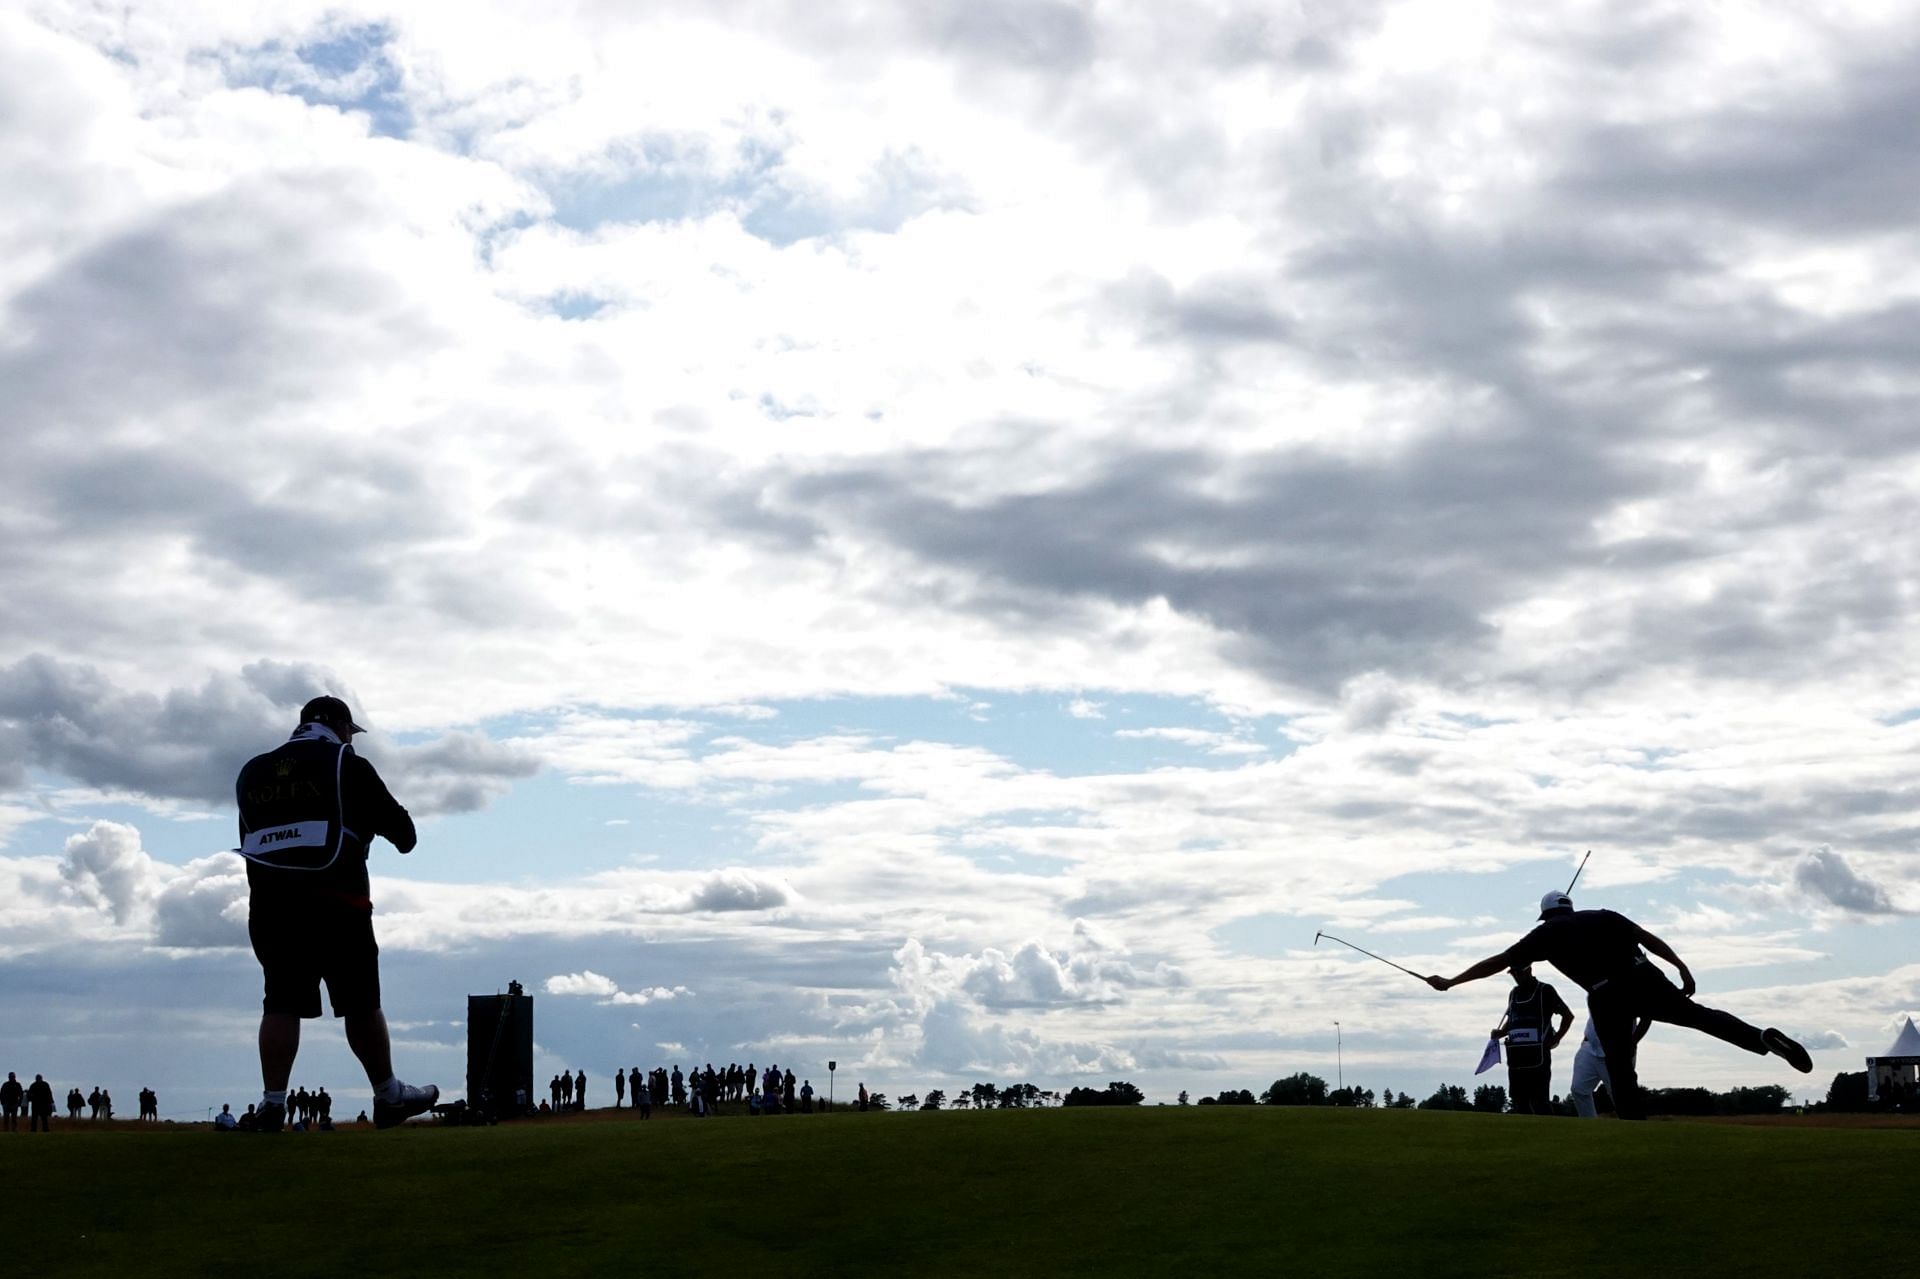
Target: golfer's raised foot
[(268, 1117), (1781, 1046), (412, 1101)]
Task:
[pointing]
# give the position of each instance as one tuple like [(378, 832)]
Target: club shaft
[(1370, 955), (1578, 872)]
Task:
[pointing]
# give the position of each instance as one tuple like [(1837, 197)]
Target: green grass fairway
[(1153, 1191)]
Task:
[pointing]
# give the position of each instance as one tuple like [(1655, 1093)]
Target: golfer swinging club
[(308, 811), (1601, 950)]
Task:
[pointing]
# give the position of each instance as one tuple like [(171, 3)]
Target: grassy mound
[(1154, 1191)]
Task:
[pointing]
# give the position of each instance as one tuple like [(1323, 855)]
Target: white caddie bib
[(294, 835)]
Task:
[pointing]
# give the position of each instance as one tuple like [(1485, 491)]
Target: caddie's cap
[(1555, 900), (329, 710)]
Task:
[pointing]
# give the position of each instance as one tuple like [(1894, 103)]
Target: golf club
[(1576, 873), (1369, 954)]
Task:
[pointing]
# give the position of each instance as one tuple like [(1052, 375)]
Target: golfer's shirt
[(1589, 946)]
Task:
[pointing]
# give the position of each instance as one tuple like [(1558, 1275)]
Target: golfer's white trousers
[(1589, 1072)]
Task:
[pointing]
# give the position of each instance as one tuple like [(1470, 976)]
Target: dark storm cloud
[(1033, 34), (1324, 568), (1835, 158), (163, 386), (182, 743), (1826, 876), (188, 743), (224, 303), (458, 773)]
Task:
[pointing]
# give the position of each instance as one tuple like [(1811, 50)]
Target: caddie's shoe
[(269, 1117), (412, 1101), (1781, 1046)]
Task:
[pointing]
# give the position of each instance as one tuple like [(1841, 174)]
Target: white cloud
[(735, 889), (651, 995), (1214, 743), (605, 991), (582, 983), (108, 868)]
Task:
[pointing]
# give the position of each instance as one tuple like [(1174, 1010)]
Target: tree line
[(1303, 1089)]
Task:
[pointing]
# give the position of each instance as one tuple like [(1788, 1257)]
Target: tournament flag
[(1490, 1058)]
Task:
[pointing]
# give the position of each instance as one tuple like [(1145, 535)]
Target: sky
[(953, 538)]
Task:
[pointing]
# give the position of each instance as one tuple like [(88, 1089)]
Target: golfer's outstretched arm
[(1666, 952), (1485, 968)]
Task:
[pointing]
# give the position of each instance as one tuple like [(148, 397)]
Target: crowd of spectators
[(36, 1101), (700, 1092)]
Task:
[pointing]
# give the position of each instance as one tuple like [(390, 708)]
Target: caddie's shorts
[(301, 944)]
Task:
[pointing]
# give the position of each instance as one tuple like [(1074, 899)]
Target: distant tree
[(1356, 1096), (1118, 1093), (1490, 1099), (1019, 1096), (1403, 1102), (934, 1100), (1183, 1097), (962, 1099), (910, 1101), (1767, 1099), (1230, 1097), (877, 1101), (1297, 1090), (1848, 1092), (1677, 1101), (984, 1095), (1447, 1097)]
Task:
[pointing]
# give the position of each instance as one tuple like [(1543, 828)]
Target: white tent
[(1899, 1065)]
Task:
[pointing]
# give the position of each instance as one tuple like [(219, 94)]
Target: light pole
[(1339, 1066), (831, 1067)]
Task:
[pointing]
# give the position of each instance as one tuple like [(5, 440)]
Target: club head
[(1316, 939)]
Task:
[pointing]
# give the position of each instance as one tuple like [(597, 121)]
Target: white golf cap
[(1555, 900)]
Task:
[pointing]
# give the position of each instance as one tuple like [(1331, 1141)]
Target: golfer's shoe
[(269, 1117), (412, 1101), (1781, 1046)]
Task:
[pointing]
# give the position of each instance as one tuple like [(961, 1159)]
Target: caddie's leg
[(367, 1036), (279, 1045)]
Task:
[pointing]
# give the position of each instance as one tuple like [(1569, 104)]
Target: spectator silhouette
[(11, 1097), (40, 1105), (224, 1121), (580, 1090), (619, 1089)]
